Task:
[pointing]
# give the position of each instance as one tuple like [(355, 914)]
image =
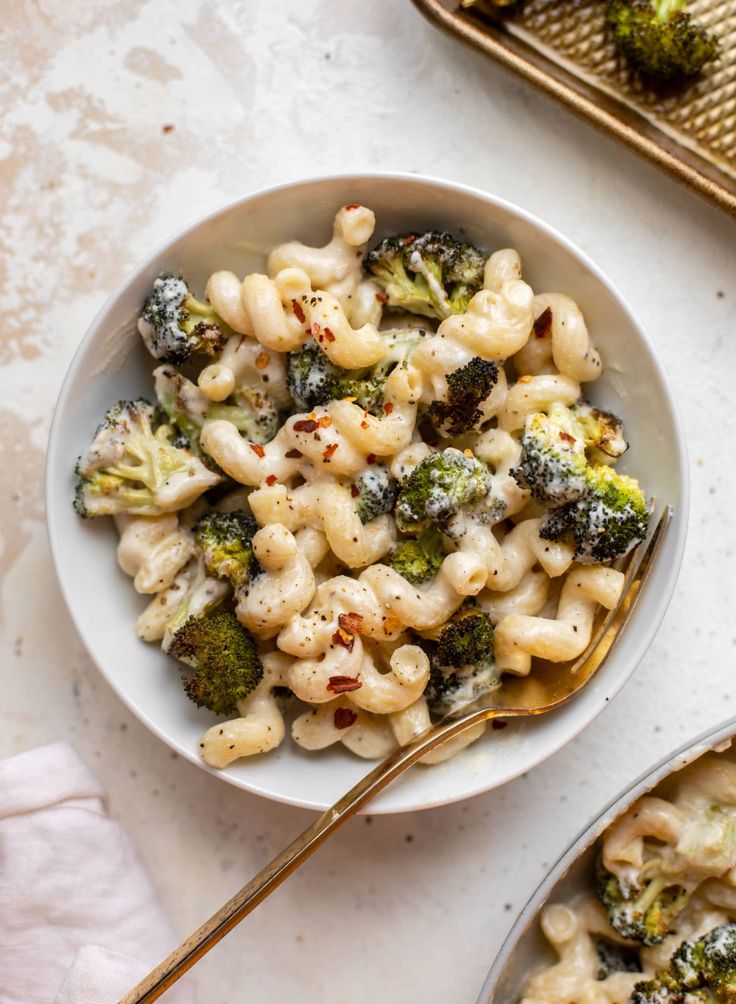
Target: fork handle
[(173, 967)]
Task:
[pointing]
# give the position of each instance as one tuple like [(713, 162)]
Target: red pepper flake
[(344, 638), (168, 128), (353, 205), (343, 684), (381, 298), (364, 424), (388, 408), (543, 324), (329, 451), (496, 724), (351, 622), (344, 717), (371, 458), (354, 491), (262, 360), (298, 312), (325, 422), (329, 336), (567, 437), (294, 454), (315, 329), (409, 239), (271, 480), (306, 425), (258, 450)]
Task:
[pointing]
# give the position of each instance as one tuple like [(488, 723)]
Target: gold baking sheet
[(563, 47)]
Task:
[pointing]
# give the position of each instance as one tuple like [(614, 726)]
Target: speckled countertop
[(123, 120)]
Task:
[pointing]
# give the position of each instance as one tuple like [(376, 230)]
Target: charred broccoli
[(660, 38), (313, 380), (711, 960), (310, 376), (199, 593), (225, 659), (433, 274), (603, 512), (553, 464), (663, 989), (644, 910), (249, 409), (374, 493), (462, 665), (615, 958), (173, 324), (467, 389), (610, 518), (438, 489), (420, 559), (603, 431), (225, 540), (132, 466), (700, 972)]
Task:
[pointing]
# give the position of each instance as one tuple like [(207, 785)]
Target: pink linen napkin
[(79, 920)]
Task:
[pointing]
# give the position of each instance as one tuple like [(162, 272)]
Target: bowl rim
[(677, 532), (678, 758)]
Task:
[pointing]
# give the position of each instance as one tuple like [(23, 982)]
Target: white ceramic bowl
[(526, 949), (111, 363)]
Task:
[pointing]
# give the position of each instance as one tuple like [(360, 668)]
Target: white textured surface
[(401, 909)]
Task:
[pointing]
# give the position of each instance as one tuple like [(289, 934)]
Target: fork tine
[(637, 572)]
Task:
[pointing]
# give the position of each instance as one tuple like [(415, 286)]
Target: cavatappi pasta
[(666, 875), (338, 622)]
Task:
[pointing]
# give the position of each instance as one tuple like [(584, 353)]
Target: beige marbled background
[(402, 909)]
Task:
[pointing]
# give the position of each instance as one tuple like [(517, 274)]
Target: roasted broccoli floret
[(310, 376), (199, 594), (660, 38), (249, 409), (225, 659), (466, 638), (132, 466), (712, 958), (313, 380), (700, 972), (433, 274), (645, 910), (467, 389), (603, 512), (663, 989), (173, 324), (225, 540), (604, 432), (374, 493), (438, 489), (615, 958), (462, 664), (420, 559), (610, 519), (553, 464)]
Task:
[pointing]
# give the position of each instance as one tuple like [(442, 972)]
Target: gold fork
[(546, 689)]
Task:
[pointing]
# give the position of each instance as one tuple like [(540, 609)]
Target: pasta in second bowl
[(641, 908), (394, 473)]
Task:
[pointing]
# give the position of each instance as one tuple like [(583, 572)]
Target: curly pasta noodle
[(519, 637)]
